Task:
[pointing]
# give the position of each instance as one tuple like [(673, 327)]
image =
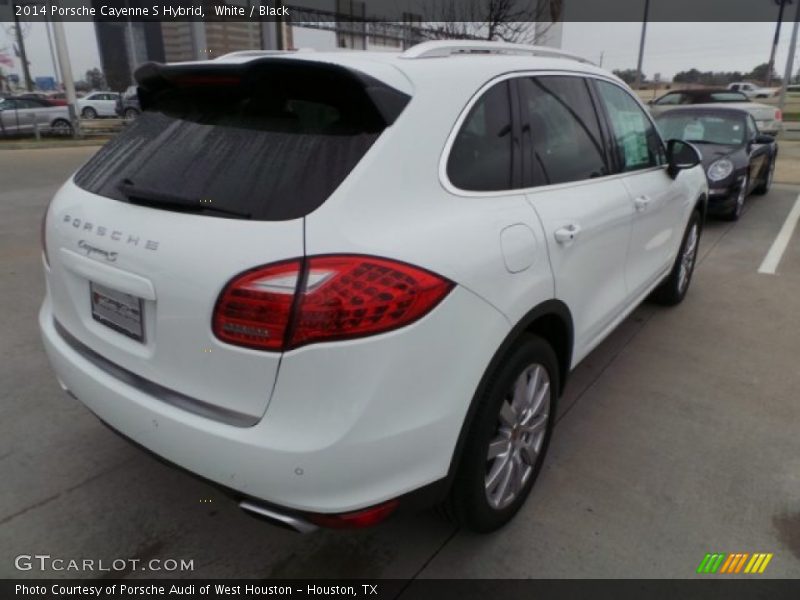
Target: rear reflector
[(324, 298), (358, 519), (778, 114)]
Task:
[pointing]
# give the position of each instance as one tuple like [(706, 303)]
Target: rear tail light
[(324, 298), (355, 520), (778, 114)]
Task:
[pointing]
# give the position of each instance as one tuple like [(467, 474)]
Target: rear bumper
[(350, 424)]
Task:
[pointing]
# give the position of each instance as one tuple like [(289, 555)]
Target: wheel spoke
[(496, 473), (505, 481), (542, 395), (497, 447), (536, 425), (533, 386), (520, 394), (529, 453), (508, 416)]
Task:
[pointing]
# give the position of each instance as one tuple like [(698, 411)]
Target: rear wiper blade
[(139, 195)]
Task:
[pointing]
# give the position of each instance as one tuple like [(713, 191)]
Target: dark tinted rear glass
[(269, 144), (482, 155)]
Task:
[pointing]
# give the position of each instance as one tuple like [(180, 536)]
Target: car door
[(8, 116), (759, 154), (107, 104), (658, 201), (41, 111), (26, 113), (585, 211)]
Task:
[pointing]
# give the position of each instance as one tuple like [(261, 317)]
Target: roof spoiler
[(153, 78)]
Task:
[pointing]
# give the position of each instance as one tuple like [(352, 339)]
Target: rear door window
[(266, 141), (565, 139)]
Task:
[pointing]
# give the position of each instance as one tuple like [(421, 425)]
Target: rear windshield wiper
[(138, 195)]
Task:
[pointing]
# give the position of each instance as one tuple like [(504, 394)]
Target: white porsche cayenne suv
[(339, 284)]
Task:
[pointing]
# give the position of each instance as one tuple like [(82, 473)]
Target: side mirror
[(651, 102), (681, 155), (763, 138)]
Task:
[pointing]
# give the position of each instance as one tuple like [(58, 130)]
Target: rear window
[(267, 141)]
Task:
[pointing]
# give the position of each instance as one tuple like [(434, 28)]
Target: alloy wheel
[(522, 426), (688, 258), (740, 197)]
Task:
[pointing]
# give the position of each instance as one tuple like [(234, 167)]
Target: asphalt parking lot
[(678, 436)]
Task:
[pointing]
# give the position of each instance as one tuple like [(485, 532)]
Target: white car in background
[(98, 104), (336, 299), (768, 118), (751, 90)]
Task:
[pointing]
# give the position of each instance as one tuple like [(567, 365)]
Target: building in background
[(140, 41), (319, 24)]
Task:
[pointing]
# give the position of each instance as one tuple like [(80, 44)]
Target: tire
[(62, 128), (89, 113), (741, 196), (673, 289), (766, 181), (478, 499), (130, 114)]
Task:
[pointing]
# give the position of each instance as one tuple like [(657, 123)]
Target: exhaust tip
[(279, 519)]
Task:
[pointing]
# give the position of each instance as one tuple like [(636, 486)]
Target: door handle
[(567, 233), (642, 202)]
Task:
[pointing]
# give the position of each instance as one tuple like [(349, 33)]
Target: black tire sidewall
[(89, 113), (470, 503)]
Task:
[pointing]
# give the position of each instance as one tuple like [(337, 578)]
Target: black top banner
[(398, 11)]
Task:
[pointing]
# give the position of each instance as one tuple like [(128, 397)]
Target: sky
[(670, 47)]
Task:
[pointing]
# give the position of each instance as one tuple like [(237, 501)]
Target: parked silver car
[(22, 115)]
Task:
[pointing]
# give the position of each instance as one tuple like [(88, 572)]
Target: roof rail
[(246, 53), (443, 48)]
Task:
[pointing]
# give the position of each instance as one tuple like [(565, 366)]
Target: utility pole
[(771, 63), (66, 75), (787, 77), (602, 54), (638, 82), (52, 52), (26, 72)]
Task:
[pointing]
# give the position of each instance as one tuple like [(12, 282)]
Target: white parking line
[(773, 257)]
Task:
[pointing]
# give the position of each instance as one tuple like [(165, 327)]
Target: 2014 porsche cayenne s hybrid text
[(339, 284)]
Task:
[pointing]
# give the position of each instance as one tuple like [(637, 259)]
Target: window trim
[(444, 179)]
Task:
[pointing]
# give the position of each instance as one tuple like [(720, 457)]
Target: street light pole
[(787, 76), (638, 82), (66, 75), (52, 53), (23, 57), (771, 63)]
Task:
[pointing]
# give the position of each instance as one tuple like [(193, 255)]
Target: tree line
[(712, 78)]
